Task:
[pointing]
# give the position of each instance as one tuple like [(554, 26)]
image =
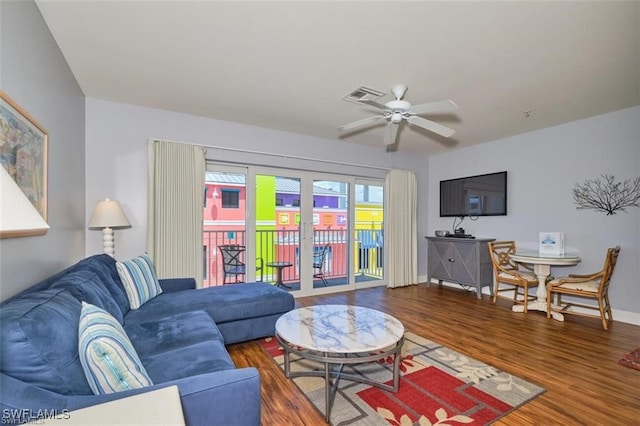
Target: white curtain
[(175, 209), (401, 232)]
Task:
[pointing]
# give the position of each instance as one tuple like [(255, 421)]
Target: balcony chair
[(319, 256), (591, 286), (517, 277), (233, 262)]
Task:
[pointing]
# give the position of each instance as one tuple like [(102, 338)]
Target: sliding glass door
[(225, 213), (369, 232), (331, 242), (309, 233), (278, 225)]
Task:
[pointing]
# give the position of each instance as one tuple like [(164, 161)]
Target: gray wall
[(542, 168), (34, 73), (116, 159)]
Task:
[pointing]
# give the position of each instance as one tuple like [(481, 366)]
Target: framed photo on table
[(551, 243), (23, 152)]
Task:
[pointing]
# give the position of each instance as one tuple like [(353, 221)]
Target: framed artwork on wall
[(23, 152)]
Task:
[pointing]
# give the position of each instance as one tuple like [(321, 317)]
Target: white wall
[(116, 159), (35, 74), (543, 166)]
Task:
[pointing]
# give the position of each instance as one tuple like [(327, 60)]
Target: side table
[(279, 266)]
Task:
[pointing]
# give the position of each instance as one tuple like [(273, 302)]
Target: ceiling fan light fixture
[(396, 117)]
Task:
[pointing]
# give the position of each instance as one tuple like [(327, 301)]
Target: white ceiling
[(287, 65)]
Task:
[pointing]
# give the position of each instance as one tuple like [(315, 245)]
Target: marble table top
[(339, 329)]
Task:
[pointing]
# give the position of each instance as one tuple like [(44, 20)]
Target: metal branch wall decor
[(606, 195)]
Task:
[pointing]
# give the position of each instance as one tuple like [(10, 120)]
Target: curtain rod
[(284, 156)]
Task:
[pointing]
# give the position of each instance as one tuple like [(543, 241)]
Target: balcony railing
[(283, 245)]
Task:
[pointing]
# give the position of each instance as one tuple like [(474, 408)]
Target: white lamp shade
[(108, 214), (18, 217)]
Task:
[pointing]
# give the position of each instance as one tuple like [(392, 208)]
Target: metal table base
[(340, 359)]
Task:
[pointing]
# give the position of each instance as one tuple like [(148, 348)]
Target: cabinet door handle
[(451, 260)]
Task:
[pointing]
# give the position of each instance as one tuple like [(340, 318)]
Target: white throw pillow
[(139, 279), (108, 358)]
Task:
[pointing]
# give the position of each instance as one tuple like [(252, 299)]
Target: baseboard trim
[(618, 315)]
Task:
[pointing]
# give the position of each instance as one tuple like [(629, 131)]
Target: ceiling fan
[(397, 110)]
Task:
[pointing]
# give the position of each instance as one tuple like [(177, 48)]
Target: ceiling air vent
[(363, 93)]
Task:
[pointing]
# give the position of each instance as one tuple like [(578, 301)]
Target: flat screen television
[(482, 195)]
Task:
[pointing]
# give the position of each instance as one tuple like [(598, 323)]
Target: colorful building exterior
[(277, 224)]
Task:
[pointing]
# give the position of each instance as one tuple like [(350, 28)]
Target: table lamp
[(18, 217), (108, 215)]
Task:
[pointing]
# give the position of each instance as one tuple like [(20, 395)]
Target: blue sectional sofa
[(179, 336)]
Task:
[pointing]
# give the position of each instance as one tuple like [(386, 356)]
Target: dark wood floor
[(575, 361)]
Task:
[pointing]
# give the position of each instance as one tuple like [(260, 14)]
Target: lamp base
[(108, 242)]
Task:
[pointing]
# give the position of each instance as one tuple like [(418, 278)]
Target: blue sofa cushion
[(223, 303), (187, 361), (102, 265), (86, 286), (105, 266), (172, 332), (39, 341)]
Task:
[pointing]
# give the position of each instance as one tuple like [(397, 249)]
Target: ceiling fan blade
[(431, 126), (440, 106), (374, 104), (361, 123), (391, 133)]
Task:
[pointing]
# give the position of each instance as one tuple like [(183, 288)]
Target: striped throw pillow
[(139, 279), (108, 358)]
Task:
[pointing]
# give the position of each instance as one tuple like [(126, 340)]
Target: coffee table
[(337, 335)]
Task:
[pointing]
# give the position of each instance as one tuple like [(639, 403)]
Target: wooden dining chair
[(510, 276), (590, 286)]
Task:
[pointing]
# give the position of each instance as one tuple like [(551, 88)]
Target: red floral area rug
[(632, 359), (437, 386)]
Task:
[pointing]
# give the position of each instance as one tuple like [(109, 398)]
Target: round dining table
[(542, 263)]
